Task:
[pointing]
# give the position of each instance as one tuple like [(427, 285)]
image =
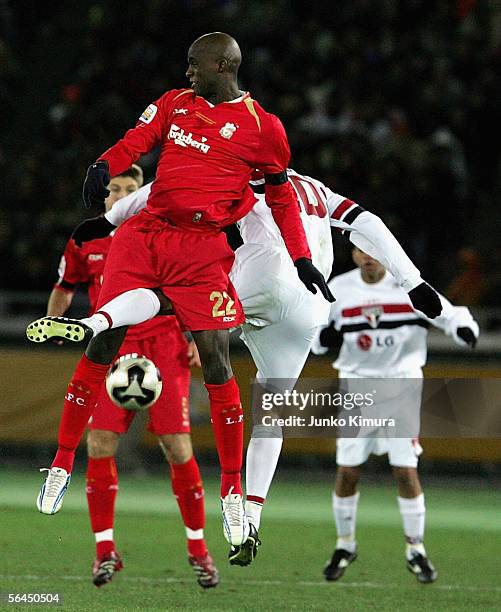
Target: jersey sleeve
[(148, 132), (369, 233), (452, 318), (279, 193), (72, 270), (128, 206)]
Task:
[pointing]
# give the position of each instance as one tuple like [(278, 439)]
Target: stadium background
[(392, 103)]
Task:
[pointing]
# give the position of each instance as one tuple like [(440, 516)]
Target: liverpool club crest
[(228, 130)]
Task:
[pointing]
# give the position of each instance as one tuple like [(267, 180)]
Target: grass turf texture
[(43, 554)]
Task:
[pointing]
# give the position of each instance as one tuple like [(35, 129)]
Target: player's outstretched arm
[(458, 322), (59, 302), (90, 229), (425, 299), (370, 234), (141, 139)]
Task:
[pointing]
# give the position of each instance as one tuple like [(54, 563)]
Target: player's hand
[(97, 227), (466, 334), (94, 188), (310, 277), (426, 299), (193, 356)]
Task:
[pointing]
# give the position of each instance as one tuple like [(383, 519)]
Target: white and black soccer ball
[(134, 382)]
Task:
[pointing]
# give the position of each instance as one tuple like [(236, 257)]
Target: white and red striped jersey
[(383, 336)]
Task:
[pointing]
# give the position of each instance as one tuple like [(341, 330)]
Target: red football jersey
[(207, 155), (85, 265)]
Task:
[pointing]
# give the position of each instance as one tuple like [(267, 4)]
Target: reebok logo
[(179, 136)]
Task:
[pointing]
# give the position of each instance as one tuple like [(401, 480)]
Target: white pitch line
[(305, 583)]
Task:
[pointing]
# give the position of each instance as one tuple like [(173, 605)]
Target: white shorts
[(269, 288), (402, 452), (282, 317)]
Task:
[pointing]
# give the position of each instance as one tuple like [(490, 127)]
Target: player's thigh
[(107, 416), (404, 452), (280, 350), (194, 269), (352, 452), (123, 272)]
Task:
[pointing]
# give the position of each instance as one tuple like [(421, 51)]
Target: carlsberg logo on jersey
[(182, 139)]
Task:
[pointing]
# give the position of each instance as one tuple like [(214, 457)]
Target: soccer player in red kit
[(212, 136), (161, 340)]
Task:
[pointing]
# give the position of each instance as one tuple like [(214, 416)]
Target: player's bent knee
[(213, 346), (165, 303), (103, 347), (102, 443), (347, 478), (261, 431), (176, 447), (407, 478)]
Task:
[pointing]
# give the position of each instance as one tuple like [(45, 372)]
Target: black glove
[(310, 276), (97, 227), (466, 334), (329, 337), (94, 188), (426, 299)]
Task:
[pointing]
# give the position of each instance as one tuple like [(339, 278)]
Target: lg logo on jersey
[(364, 342)]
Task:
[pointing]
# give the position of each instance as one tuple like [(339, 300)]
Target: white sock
[(413, 513), (345, 517), (194, 534), (253, 510), (104, 536), (261, 463), (97, 322), (129, 308)]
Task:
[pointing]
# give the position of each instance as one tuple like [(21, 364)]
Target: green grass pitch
[(54, 554)]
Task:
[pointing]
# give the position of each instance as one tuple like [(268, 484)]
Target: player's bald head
[(219, 47)]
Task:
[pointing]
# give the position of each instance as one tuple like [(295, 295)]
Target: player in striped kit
[(279, 312), (383, 337)]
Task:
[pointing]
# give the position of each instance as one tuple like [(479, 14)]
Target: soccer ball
[(133, 382)]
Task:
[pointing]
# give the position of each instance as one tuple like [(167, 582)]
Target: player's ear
[(222, 65)]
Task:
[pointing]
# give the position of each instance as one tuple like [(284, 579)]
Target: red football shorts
[(191, 267), (170, 413)]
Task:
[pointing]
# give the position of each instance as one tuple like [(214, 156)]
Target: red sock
[(228, 425), (102, 487), (81, 397), (188, 491)]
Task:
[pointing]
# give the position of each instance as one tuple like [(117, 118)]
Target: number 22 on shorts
[(218, 310)]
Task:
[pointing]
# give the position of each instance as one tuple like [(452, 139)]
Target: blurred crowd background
[(393, 103)]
